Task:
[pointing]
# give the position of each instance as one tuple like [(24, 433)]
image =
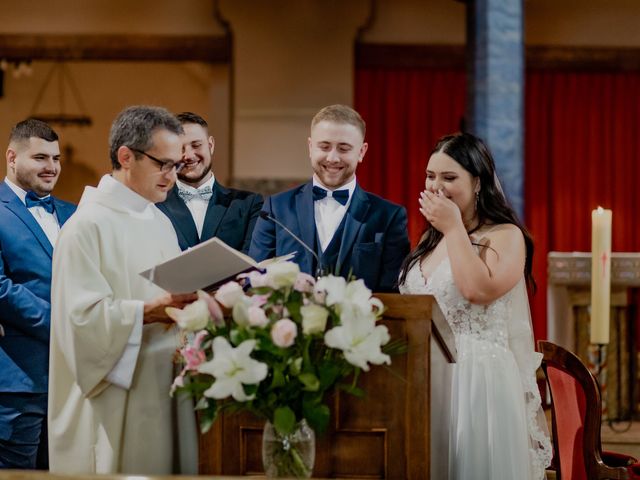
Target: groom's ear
[(363, 150)]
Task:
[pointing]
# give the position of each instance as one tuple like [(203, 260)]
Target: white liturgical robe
[(97, 424)]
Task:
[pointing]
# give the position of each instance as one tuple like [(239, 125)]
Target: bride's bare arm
[(480, 278)]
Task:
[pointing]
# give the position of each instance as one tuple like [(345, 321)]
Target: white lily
[(334, 287), (232, 367), (360, 339)]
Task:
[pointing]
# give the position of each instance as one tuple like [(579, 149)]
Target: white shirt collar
[(19, 191), (351, 186), (189, 188), (128, 197)]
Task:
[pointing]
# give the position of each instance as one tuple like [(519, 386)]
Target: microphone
[(266, 216)]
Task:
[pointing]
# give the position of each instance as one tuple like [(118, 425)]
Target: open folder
[(203, 267)]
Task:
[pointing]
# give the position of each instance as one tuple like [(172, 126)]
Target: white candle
[(600, 274)]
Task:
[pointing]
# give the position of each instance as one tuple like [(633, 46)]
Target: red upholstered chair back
[(569, 410), (577, 413)]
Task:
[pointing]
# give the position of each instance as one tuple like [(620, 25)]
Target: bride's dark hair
[(474, 156)]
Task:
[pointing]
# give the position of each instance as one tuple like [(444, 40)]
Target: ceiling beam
[(211, 49)]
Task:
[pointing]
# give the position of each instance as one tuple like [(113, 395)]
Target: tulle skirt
[(489, 437)]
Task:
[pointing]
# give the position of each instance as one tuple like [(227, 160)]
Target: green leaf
[(310, 382), (278, 377), (284, 420), (317, 415), (207, 417), (351, 389)]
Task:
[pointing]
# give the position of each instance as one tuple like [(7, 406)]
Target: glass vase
[(289, 456)]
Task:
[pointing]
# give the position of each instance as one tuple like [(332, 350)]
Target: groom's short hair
[(32, 128), (340, 114)]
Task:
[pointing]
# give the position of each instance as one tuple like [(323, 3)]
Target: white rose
[(282, 274), (314, 319), (284, 333), (257, 317), (240, 312), (193, 317), (229, 294)]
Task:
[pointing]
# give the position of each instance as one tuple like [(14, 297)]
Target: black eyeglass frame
[(165, 166)]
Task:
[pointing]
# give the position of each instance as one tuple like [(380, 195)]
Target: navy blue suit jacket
[(231, 216), (25, 294), (373, 245)]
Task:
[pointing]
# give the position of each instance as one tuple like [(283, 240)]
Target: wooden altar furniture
[(569, 298), (399, 430)]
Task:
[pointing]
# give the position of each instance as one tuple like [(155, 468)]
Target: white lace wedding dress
[(497, 429)]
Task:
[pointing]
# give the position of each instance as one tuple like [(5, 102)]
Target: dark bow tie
[(32, 200), (340, 196), (205, 193)]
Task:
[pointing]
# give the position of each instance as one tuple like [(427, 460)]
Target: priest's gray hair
[(134, 127)]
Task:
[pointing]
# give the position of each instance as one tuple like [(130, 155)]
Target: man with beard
[(30, 219), (198, 206), (351, 232)]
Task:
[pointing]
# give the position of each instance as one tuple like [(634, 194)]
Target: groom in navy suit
[(198, 206), (352, 232), (30, 219)]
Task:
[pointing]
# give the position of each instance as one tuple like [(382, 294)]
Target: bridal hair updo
[(492, 207)]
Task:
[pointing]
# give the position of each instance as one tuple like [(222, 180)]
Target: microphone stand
[(319, 268)]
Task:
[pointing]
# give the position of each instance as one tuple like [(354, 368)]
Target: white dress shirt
[(196, 205), (47, 221), (329, 212)]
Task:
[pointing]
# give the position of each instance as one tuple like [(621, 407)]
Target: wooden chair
[(576, 408)]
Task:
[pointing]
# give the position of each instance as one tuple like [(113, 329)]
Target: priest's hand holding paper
[(154, 309)]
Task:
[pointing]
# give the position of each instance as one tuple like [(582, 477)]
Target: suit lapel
[(13, 203), (306, 219), (218, 206), (63, 211), (181, 216), (355, 217)]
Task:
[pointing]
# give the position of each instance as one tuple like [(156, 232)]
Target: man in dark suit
[(352, 232), (30, 219), (198, 206)]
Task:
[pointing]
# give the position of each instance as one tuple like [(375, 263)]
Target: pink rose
[(257, 317), (304, 282), (259, 300), (229, 294), (284, 333)]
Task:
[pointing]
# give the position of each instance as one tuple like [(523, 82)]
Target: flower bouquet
[(275, 344)]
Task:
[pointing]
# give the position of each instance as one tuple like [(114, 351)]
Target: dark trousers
[(23, 431)]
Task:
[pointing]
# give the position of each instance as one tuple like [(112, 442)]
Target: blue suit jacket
[(25, 294), (373, 245), (231, 216)]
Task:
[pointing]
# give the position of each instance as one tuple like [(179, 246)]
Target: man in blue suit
[(352, 232), (30, 219), (198, 206)]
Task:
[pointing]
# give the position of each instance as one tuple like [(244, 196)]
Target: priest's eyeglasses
[(165, 165)]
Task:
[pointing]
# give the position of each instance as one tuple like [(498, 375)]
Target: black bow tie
[(32, 200), (340, 196)]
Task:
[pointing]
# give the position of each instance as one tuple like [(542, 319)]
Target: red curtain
[(582, 146), (406, 111)]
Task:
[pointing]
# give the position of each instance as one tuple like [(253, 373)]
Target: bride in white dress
[(475, 258)]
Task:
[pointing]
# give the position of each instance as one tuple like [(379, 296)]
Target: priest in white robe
[(111, 358)]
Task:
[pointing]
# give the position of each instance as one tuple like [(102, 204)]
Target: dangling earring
[(477, 199)]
